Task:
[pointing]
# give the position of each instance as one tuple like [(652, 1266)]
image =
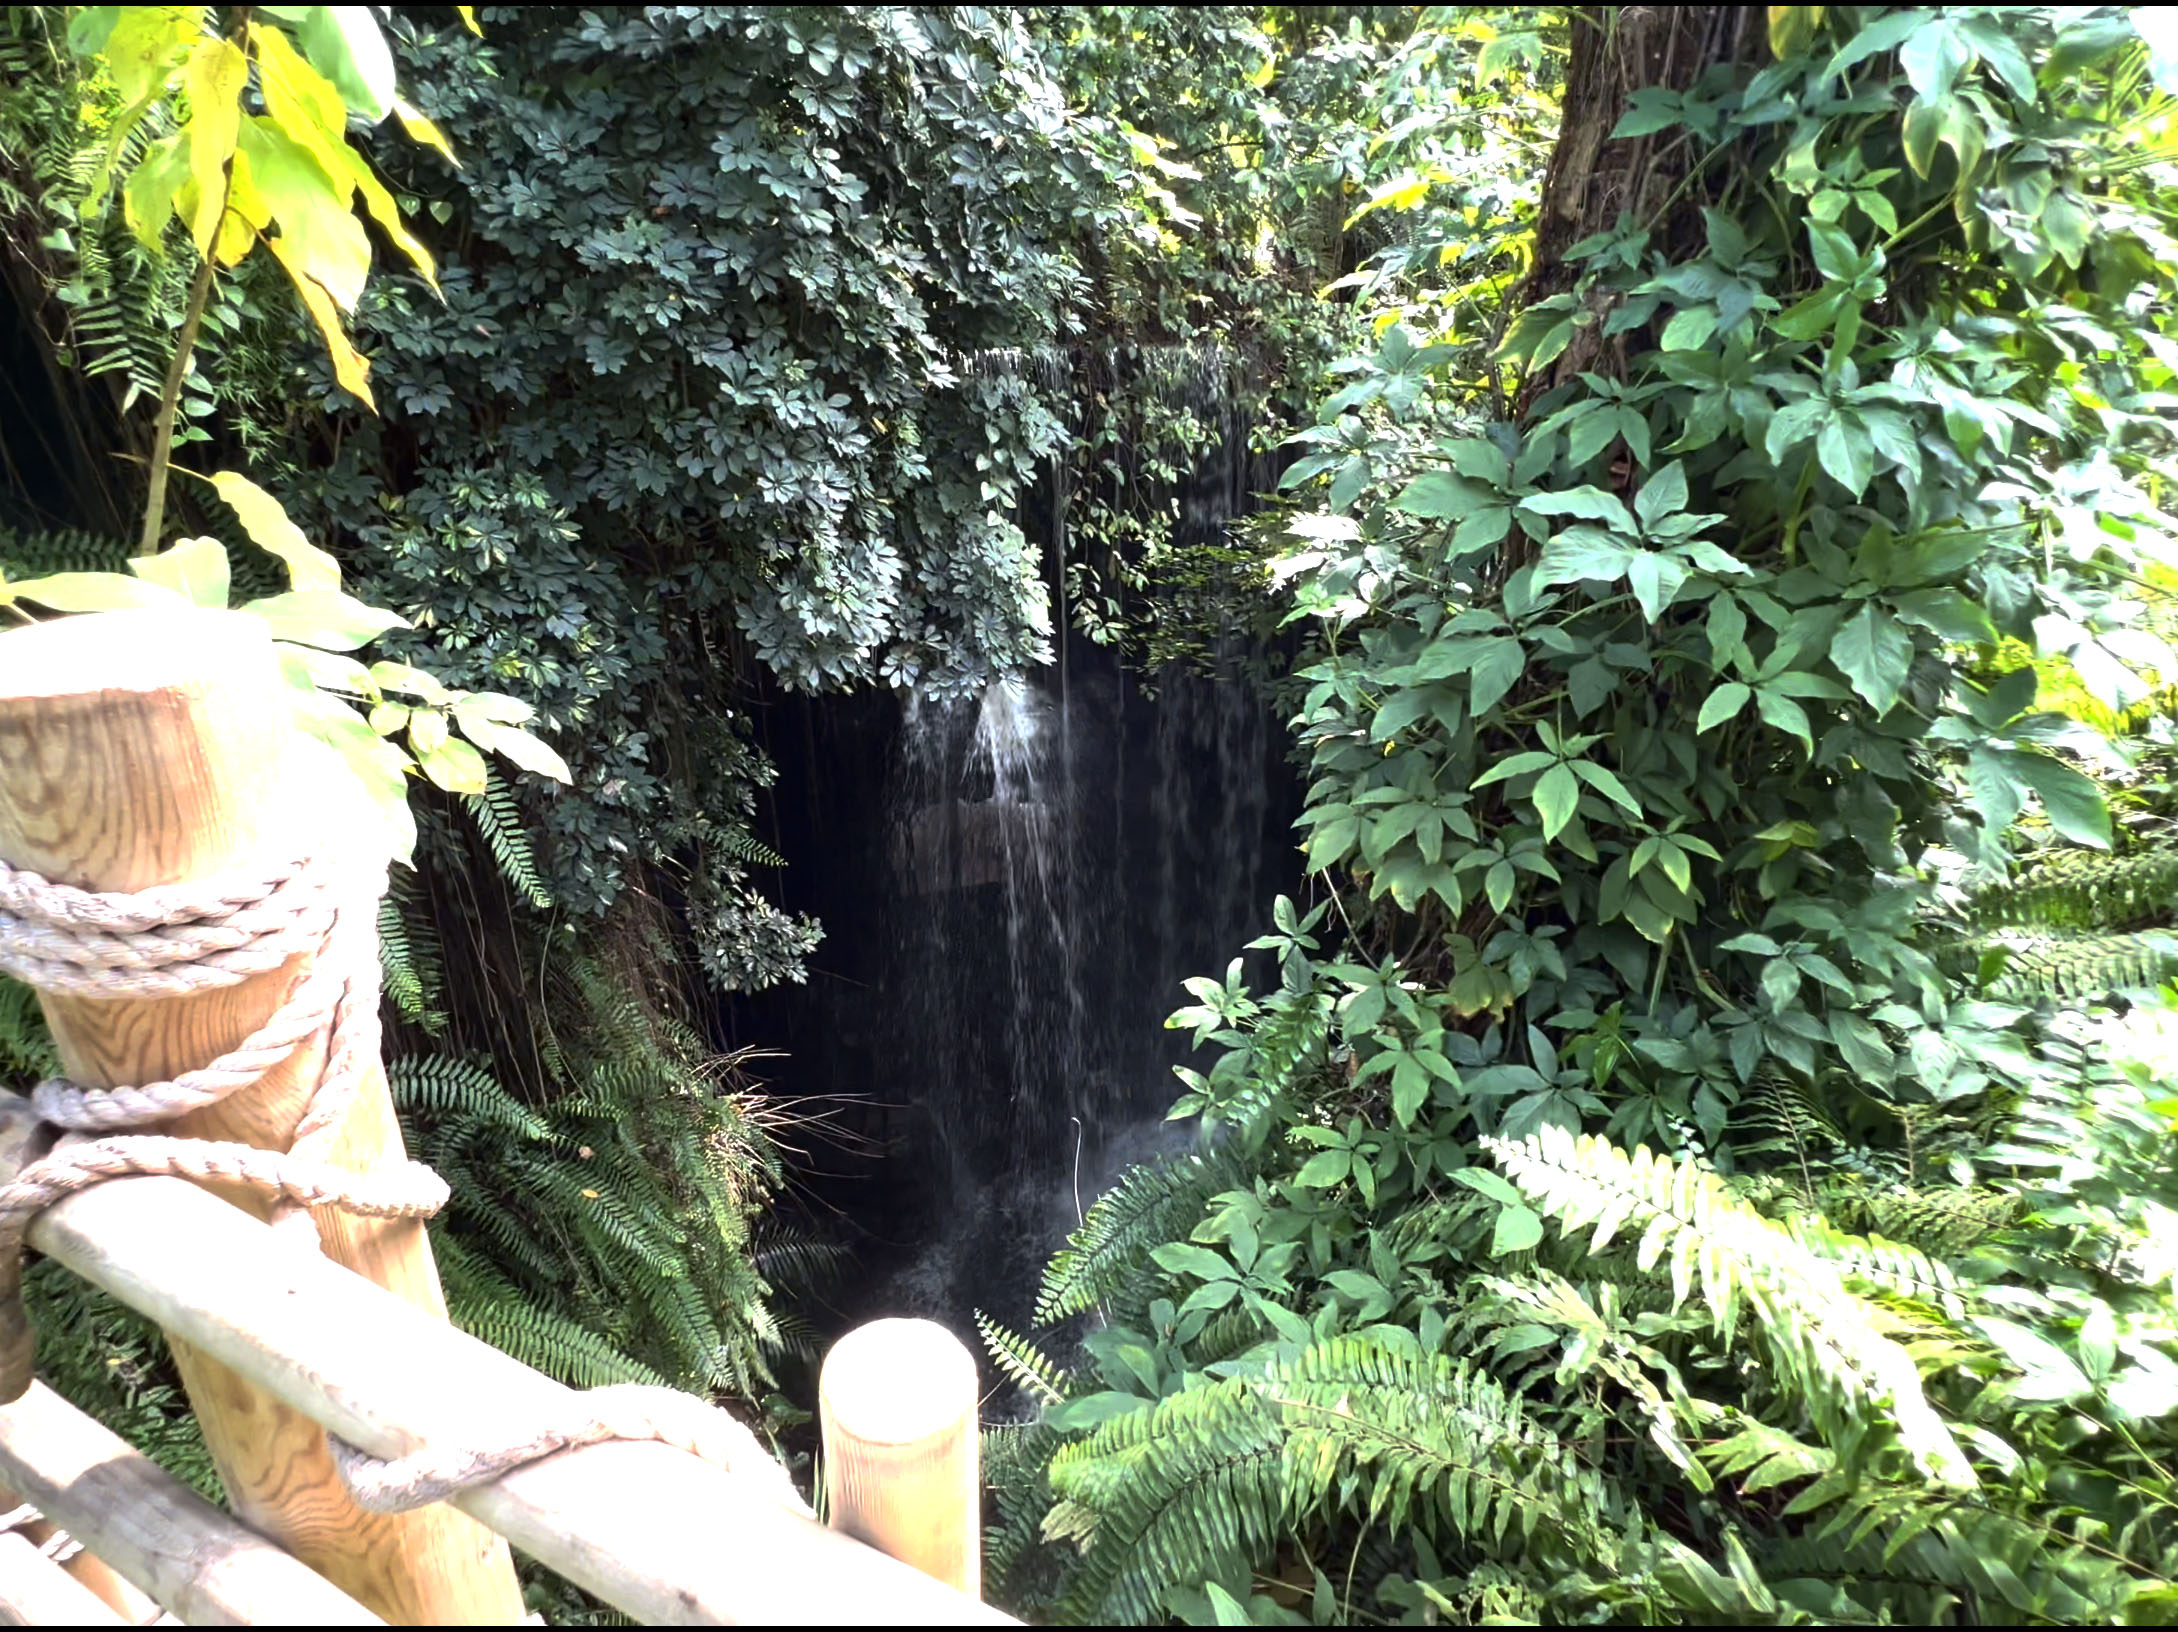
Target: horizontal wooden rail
[(653, 1531), (35, 1591), (153, 1530)]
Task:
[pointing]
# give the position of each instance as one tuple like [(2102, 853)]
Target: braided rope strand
[(186, 938)]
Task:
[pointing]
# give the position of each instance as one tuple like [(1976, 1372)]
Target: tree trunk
[(1594, 181)]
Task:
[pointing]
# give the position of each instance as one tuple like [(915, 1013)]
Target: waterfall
[(1064, 852), (1013, 888)]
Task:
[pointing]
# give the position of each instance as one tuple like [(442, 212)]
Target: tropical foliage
[(1675, 1169)]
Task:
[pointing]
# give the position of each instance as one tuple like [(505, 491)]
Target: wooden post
[(147, 748), (667, 1537), (897, 1399)]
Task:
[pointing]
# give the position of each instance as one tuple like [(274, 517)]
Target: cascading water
[(1013, 889), (1063, 862)]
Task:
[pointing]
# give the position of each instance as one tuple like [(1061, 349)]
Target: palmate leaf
[(1822, 1336)]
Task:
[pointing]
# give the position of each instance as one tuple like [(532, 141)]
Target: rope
[(186, 938)]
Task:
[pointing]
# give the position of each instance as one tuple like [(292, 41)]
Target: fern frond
[(27, 1054), (446, 1086), (2082, 891), (1822, 1336), (1032, 1372), (1187, 1490), (1152, 1203), (2016, 964), (498, 820)]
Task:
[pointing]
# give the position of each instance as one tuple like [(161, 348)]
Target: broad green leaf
[(92, 592), (1557, 795), (1663, 494), (1835, 256), (266, 524), (1580, 553), (1934, 57), (1605, 781), (453, 764), (529, 753), (1945, 612), (1785, 714), (1518, 1229), (217, 74), (1847, 451), (1186, 1258), (1586, 503), (1090, 1410), (1497, 669), (344, 44), (1689, 329), (191, 567), (2072, 802), (1865, 1052), (1655, 579), (1873, 652), (1438, 494), (325, 618), (1722, 704)]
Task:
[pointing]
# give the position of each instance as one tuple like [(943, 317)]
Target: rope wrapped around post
[(185, 938)]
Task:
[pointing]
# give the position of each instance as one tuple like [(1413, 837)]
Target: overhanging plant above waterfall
[(1632, 1199)]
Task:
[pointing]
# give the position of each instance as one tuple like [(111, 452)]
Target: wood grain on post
[(897, 1399), (148, 748)]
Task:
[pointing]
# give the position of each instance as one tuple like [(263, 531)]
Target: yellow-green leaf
[(388, 214), (324, 618), (1792, 27), (468, 20), (324, 671), (453, 765), (299, 99), (387, 718), (92, 592), (350, 367), (147, 199), (308, 567), (147, 45), (423, 130), (426, 731), (414, 682), (193, 567), (319, 234), (529, 753), (217, 73)]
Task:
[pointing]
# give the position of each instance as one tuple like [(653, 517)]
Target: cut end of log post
[(897, 1400)]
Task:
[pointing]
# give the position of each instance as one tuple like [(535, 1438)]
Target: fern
[(1021, 1361), (1151, 1204), (1819, 1333), (1190, 1488), (460, 1088), (746, 847), (26, 1047), (499, 821)]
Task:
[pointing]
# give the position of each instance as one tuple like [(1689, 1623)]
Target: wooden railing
[(138, 751)]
